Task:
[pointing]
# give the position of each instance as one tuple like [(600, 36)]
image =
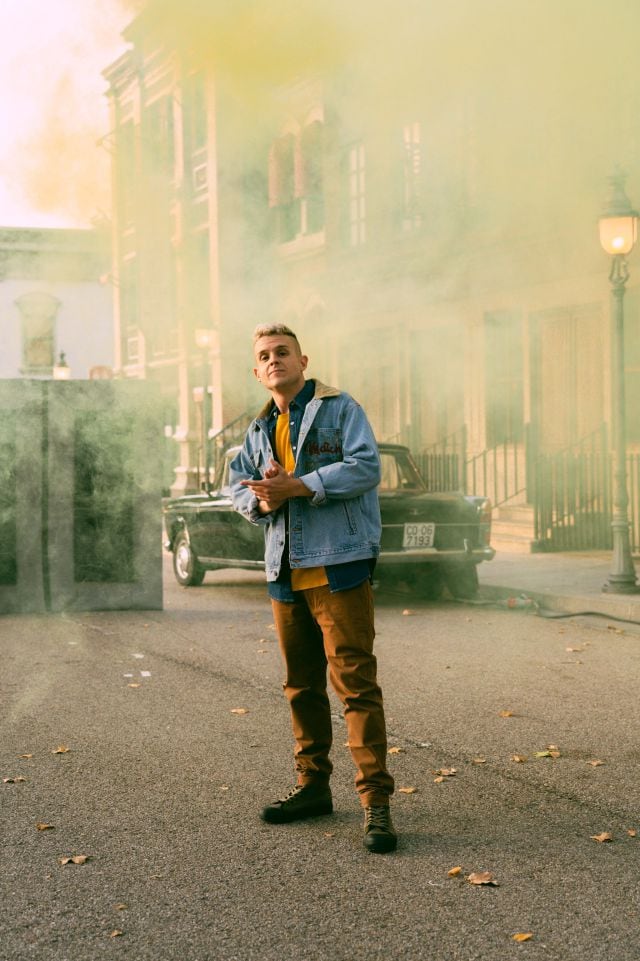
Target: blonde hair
[(272, 330)]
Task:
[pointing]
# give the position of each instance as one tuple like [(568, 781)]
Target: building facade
[(53, 301), (424, 214)]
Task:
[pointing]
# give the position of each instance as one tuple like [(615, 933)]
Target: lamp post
[(61, 370), (618, 234), (204, 340)]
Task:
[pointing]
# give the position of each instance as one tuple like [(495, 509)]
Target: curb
[(619, 606)]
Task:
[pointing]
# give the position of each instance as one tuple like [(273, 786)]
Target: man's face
[(279, 363)]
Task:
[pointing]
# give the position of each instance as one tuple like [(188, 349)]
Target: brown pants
[(322, 628)]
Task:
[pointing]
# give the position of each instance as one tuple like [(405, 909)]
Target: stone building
[(53, 300), (423, 210)]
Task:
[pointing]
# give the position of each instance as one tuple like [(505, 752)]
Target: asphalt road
[(162, 783)]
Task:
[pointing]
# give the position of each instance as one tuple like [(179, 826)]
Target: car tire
[(188, 572), (462, 581)]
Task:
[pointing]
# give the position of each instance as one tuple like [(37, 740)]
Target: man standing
[(308, 473)]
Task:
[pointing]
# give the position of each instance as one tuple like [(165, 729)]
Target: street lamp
[(204, 341), (618, 234), (62, 371)]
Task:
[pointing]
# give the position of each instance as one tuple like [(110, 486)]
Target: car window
[(398, 473)]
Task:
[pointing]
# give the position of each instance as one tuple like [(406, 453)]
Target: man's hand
[(276, 487)]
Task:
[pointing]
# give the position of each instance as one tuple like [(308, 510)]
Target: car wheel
[(186, 568), (463, 581)]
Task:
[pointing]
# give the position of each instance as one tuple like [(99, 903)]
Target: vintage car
[(429, 539)]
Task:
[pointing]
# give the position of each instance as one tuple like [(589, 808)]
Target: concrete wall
[(80, 496)]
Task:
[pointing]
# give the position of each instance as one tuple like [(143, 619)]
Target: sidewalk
[(564, 582)]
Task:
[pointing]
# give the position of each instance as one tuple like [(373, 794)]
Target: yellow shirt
[(302, 577)]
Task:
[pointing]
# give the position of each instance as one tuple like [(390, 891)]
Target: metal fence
[(570, 491)]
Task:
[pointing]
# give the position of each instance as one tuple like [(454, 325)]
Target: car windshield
[(398, 473)]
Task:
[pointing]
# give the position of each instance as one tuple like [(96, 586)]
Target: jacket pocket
[(352, 525)]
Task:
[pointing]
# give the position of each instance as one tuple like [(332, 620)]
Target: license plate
[(418, 535)]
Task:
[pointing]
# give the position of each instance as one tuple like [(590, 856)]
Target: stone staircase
[(512, 529)]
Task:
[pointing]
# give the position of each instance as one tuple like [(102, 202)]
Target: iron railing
[(232, 433), (572, 506), (570, 491), (498, 472)]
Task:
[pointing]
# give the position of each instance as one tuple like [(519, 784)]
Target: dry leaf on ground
[(601, 838), (506, 714), (574, 650), (396, 750), (523, 936), (547, 753), (25, 757), (43, 826), (632, 832), (446, 772), (116, 934), (454, 872), (407, 790), (479, 760), (239, 710), (408, 613), (61, 749), (596, 763), (75, 859), (482, 877), (120, 907), (134, 684), (519, 758), (13, 780)]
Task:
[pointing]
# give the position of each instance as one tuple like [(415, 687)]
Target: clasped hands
[(276, 487)]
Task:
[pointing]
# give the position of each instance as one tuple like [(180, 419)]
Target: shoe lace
[(293, 793), (377, 818)]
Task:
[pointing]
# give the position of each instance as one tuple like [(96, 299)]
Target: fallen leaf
[(329, 834), (454, 872), (596, 763), (25, 757), (519, 758), (120, 907), (13, 780), (506, 714), (482, 877), (616, 630), (407, 790), (601, 838), (135, 684), (408, 613), (632, 832), (224, 787), (547, 753), (574, 650), (446, 772), (523, 937), (116, 934), (479, 760), (43, 826), (75, 859), (239, 710), (62, 749), (438, 780), (396, 750)]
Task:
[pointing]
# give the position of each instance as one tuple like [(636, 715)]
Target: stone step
[(518, 513), (505, 544)]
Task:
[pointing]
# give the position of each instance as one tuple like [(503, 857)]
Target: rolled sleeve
[(314, 482)]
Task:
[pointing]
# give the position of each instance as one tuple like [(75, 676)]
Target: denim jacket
[(337, 459)]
